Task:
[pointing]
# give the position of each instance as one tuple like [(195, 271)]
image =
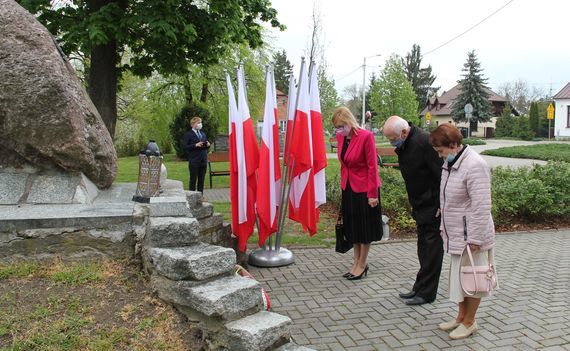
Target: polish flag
[(269, 173), (302, 192), (318, 138), (290, 113), (244, 158)]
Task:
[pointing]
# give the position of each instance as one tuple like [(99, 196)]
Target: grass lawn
[(546, 152), (90, 305), (178, 170)]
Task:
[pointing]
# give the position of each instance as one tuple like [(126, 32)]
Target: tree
[(533, 116), (329, 96), (519, 94), (505, 123), (392, 93), (161, 36), (353, 99), (283, 70), (474, 92), (420, 78)]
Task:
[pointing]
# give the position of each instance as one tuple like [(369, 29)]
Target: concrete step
[(258, 332), (227, 298), (197, 262), (171, 232)]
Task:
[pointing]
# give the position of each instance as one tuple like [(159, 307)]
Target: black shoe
[(416, 300), (357, 277), (407, 295), (346, 275)]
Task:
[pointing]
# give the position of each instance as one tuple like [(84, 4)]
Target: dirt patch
[(111, 308)]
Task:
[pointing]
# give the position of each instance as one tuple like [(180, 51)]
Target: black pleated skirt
[(362, 224)]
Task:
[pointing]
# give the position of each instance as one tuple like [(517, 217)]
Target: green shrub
[(181, 124), (473, 141), (538, 192)]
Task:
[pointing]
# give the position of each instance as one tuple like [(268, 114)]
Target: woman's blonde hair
[(343, 115), (194, 120)]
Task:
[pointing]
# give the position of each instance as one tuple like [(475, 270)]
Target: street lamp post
[(364, 89)]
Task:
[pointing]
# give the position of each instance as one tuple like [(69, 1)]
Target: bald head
[(396, 126)]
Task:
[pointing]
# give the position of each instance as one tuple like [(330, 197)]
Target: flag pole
[(287, 188), (269, 256), (280, 256)]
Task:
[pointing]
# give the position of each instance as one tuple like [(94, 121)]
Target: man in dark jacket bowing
[(421, 169), (196, 144)]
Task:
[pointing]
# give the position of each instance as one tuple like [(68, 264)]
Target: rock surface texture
[(47, 121)]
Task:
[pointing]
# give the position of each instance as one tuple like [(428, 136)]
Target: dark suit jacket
[(196, 155), (421, 169)]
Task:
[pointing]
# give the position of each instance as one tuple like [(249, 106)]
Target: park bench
[(218, 156), (333, 143), (386, 151)]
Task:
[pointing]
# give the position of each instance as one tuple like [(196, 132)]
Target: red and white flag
[(269, 173), (244, 159), (292, 100), (318, 138), (302, 189)]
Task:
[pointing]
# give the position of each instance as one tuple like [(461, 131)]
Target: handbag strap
[(468, 249), (490, 259)]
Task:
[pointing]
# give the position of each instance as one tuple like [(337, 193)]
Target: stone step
[(197, 262), (171, 206), (211, 224), (258, 332), (206, 209), (172, 231), (194, 198), (227, 298)]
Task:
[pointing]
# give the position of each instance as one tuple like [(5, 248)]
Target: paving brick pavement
[(217, 195), (529, 312)]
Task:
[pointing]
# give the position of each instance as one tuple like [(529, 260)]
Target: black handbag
[(342, 244)]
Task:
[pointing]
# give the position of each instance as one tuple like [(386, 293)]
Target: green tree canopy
[(421, 78), (392, 93), (474, 92), (329, 96), (161, 36), (283, 70)]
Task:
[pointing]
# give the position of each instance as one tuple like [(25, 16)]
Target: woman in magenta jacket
[(465, 201), (360, 183)]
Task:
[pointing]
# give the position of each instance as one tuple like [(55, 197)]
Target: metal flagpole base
[(271, 258)]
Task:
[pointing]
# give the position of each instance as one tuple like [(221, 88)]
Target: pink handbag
[(475, 279)]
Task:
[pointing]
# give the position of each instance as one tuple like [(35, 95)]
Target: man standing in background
[(421, 169), (196, 144)]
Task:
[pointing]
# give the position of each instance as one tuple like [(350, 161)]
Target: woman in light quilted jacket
[(465, 200)]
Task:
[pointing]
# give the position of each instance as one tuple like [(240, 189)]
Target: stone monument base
[(30, 186)]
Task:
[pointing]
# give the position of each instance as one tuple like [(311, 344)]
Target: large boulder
[(47, 121)]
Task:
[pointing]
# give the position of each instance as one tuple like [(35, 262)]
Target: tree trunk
[(187, 91), (103, 83)]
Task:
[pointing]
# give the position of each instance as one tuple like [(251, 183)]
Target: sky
[(526, 40)]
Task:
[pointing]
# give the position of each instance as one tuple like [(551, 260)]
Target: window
[(283, 125), (568, 117)]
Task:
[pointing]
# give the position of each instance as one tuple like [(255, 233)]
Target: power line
[(348, 74), (470, 28)]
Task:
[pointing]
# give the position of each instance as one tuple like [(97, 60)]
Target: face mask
[(198, 126), (344, 130), (451, 157), (397, 143)]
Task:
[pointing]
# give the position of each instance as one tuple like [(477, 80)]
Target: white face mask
[(198, 126)]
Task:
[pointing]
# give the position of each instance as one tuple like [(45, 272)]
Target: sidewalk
[(531, 310)]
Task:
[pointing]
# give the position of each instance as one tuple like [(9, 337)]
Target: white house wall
[(561, 130)]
